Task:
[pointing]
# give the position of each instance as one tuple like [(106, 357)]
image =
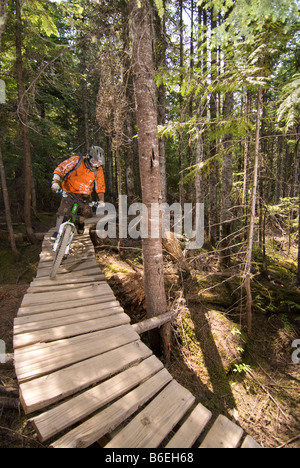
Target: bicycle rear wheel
[(59, 254)]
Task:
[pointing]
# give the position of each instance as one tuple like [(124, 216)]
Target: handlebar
[(67, 194)]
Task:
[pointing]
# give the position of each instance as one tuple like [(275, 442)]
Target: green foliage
[(37, 13), (52, 78), (160, 7), (58, 37), (241, 368), (283, 212), (292, 305), (289, 109)]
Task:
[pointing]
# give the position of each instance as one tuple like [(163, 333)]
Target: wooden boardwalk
[(85, 375)]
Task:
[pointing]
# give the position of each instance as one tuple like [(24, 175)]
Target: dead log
[(172, 245), (9, 391), (153, 322), (9, 403), (19, 237), (9, 362)]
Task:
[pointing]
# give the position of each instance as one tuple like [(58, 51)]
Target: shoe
[(54, 236), (80, 228)]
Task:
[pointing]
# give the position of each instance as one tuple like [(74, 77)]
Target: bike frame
[(65, 235), (71, 222)]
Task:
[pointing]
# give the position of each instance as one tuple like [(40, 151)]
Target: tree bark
[(9, 403), (180, 145), (213, 175), (7, 205), (298, 176), (3, 17), (161, 63), (246, 154), (201, 109), (224, 256), (154, 322), (298, 271), (130, 158), (22, 111), (247, 274), (85, 100), (146, 112)]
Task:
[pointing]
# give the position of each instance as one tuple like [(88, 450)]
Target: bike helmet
[(95, 157)]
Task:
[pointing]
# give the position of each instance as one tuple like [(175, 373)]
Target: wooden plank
[(70, 279), (52, 388), (84, 255), (66, 331), (223, 434), (250, 443), (40, 359), (93, 221), (153, 423), (81, 406), (96, 289), (81, 251), (189, 432), (108, 419), (68, 288), (76, 267), (46, 259), (83, 239), (71, 304), (68, 347), (57, 319)]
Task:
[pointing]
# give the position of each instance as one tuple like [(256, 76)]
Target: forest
[(193, 102)]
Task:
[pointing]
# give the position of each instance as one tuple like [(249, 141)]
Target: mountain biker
[(79, 176)]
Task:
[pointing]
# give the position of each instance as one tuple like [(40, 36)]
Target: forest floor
[(252, 380)]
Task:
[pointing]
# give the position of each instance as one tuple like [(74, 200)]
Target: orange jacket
[(82, 180)]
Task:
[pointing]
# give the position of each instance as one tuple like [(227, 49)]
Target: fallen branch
[(18, 434), (289, 441), (154, 322), (267, 392)]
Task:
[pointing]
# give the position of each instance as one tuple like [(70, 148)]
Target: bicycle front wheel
[(59, 254)]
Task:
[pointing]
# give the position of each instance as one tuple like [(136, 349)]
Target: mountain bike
[(65, 235)]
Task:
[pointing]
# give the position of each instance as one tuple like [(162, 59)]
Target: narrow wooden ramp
[(84, 373)]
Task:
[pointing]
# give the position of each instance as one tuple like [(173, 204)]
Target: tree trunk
[(213, 175), (247, 274), (85, 100), (224, 256), (22, 111), (7, 205), (161, 63), (201, 110), (297, 155), (3, 17), (146, 112), (180, 146), (298, 273), (246, 154), (130, 158)]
